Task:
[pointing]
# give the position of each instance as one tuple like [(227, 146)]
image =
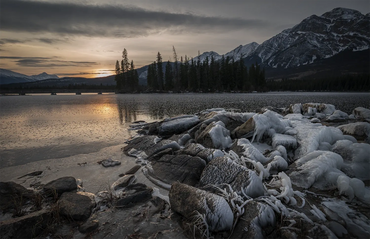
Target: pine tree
[(117, 78), (159, 72)]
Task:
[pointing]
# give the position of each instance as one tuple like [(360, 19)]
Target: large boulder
[(183, 168), (13, 195), (75, 206), (190, 202), (231, 120), (28, 226), (61, 185), (240, 178), (143, 143)]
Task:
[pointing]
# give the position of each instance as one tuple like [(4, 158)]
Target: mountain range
[(333, 44)]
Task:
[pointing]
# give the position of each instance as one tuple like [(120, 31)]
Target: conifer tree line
[(127, 78), (187, 74)]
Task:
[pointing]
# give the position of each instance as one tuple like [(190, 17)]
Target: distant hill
[(14, 79), (10, 77)]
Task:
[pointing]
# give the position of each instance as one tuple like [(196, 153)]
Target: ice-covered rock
[(245, 130), (215, 135), (177, 125), (315, 120), (311, 108), (311, 136), (199, 150), (243, 147), (360, 130), (269, 121), (296, 108), (255, 222), (193, 203), (289, 142), (314, 166), (231, 120), (240, 178), (361, 113), (277, 165), (356, 223), (338, 115)]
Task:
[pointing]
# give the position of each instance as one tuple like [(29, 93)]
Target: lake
[(40, 127)]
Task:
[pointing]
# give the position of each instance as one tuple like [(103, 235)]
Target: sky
[(86, 37)]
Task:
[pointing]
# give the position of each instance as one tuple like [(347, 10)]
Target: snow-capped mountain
[(9, 77), (317, 37), (240, 51), (44, 76)]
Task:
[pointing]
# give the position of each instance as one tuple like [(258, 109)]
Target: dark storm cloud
[(47, 62), (107, 20), (11, 41)]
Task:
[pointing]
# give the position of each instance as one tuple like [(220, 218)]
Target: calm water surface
[(38, 127)]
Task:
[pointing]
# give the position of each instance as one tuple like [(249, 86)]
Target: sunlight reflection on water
[(68, 124)]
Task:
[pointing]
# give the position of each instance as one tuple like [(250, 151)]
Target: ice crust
[(220, 136)]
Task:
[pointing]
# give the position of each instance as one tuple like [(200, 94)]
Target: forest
[(184, 74)]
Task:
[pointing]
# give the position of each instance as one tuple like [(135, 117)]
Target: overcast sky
[(86, 37)]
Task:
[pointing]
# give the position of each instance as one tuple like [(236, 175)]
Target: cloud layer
[(47, 62), (108, 20)]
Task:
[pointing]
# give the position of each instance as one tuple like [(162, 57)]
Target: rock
[(123, 182), (360, 130), (75, 206), (243, 147), (141, 143), (110, 163), (28, 226), (207, 154), (183, 168), (311, 108), (134, 194), (177, 125), (238, 176), (315, 120), (231, 120), (258, 217), (33, 174), (132, 170), (361, 113), (245, 130), (162, 145), (215, 135), (89, 226), (187, 200), (181, 139), (13, 195), (338, 116), (60, 185)]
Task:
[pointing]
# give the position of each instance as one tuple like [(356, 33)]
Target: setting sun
[(102, 73)]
